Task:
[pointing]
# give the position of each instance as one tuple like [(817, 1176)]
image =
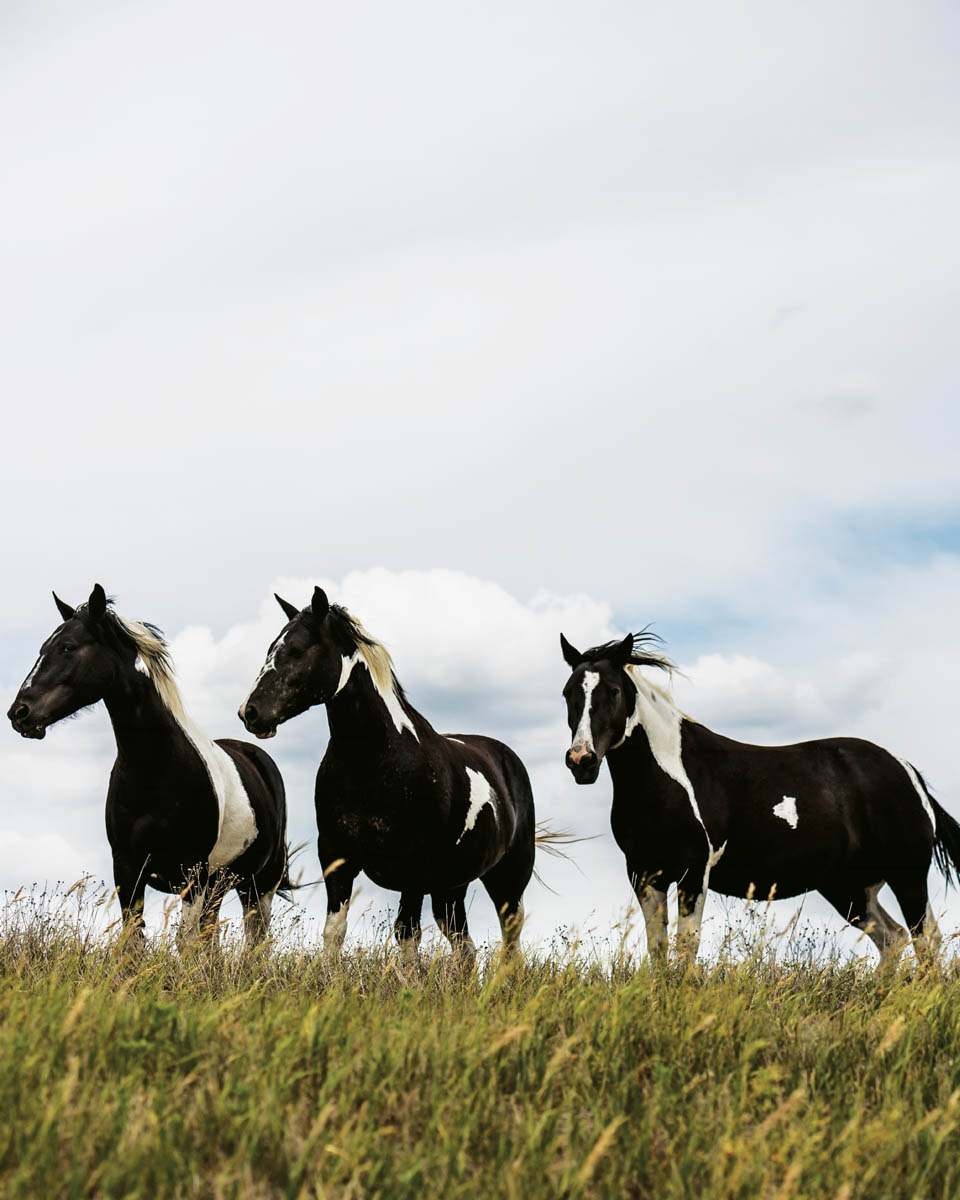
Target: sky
[(496, 322)]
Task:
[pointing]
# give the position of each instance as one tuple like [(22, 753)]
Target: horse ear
[(623, 651), (289, 609), (65, 610), (97, 604), (571, 655), (319, 605)]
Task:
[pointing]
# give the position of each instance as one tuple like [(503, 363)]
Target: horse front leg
[(691, 897), (338, 876), (653, 905), (130, 880)]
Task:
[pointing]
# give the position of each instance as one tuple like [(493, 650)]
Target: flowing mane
[(152, 651), (374, 653), (644, 653)]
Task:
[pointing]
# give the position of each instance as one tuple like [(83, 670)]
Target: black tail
[(946, 844), (286, 887)]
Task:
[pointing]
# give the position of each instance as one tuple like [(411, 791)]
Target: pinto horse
[(839, 816), (190, 816), (420, 813)]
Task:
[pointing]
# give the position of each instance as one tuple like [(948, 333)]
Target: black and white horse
[(185, 814), (839, 816), (420, 813)]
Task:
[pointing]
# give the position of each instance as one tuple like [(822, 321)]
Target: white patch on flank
[(237, 826), (481, 793), (384, 686), (786, 810), (584, 735), (921, 792)]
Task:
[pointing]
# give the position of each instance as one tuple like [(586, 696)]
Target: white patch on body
[(786, 810), (921, 792), (142, 667), (662, 721), (388, 695), (459, 741), (237, 826), (584, 734), (481, 794)]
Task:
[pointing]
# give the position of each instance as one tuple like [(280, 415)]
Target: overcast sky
[(496, 320)]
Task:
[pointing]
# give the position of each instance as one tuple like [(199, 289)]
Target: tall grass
[(135, 1074)]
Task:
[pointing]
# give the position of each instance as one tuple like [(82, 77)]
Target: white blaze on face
[(786, 810), (583, 738), (33, 672), (481, 793), (268, 665)]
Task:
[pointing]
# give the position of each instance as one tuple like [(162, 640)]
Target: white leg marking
[(256, 919), (921, 792), (927, 945), (190, 913), (786, 810), (887, 934), (653, 905), (510, 926), (334, 931)]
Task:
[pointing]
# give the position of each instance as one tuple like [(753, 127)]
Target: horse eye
[(67, 649)]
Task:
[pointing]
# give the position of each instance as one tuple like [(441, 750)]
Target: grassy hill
[(552, 1077)]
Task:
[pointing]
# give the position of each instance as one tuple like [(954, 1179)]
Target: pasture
[(564, 1073)]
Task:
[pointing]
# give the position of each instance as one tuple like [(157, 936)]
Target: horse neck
[(653, 727), (361, 713), (142, 724)]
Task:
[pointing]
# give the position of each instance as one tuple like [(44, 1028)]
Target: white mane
[(154, 655)]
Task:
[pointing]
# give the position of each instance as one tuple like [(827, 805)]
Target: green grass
[(125, 1076)]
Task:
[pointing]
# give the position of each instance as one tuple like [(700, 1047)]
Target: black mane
[(642, 655)]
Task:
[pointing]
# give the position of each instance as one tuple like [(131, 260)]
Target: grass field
[(555, 1076)]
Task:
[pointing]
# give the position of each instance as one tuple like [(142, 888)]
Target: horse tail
[(946, 843), (552, 841), (287, 886)]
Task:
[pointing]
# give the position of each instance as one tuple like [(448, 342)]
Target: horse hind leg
[(450, 913), (406, 929), (864, 911), (505, 884), (914, 901), (257, 909)]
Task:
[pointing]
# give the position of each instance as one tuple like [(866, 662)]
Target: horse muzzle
[(255, 723), (25, 722), (583, 763)]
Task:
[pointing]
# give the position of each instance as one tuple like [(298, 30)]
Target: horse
[(419, 812), (839, 816), (189, 816)]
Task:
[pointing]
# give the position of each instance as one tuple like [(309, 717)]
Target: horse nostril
[(248, 713), (21, 711)]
